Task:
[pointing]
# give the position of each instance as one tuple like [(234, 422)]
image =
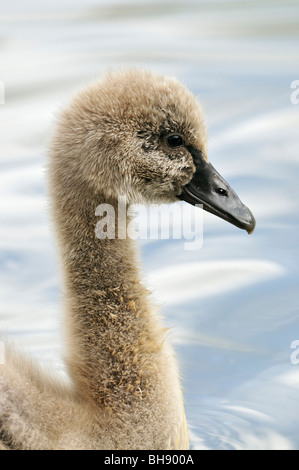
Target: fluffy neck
[(115, 350)]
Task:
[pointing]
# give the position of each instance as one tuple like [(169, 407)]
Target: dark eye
[(175, 141)]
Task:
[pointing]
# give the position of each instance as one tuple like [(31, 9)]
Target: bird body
[(142, 136)]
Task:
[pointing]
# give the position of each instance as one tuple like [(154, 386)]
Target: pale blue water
[(232, 305)]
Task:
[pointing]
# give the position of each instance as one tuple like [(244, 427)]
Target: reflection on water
[(235, 312)]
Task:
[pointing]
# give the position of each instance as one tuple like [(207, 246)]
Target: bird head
[(142, 135)]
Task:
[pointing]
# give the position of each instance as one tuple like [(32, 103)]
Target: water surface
[(232, 305)]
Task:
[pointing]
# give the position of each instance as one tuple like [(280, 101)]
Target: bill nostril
[(221, 192)]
